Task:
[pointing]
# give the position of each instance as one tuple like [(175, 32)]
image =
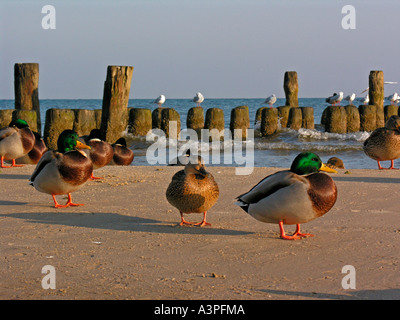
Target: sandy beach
[(125, 242)]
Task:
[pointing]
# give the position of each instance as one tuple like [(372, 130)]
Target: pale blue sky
[(225, 49)]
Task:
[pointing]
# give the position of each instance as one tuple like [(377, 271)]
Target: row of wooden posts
[(115, 116)]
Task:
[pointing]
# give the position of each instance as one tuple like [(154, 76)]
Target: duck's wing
[(6, 132), (268, 186), (44, 160)]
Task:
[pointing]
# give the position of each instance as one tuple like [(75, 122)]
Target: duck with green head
[(63, 171), (293, 196), (16, 141)]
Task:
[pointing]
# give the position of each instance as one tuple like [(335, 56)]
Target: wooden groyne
[(115, 116)]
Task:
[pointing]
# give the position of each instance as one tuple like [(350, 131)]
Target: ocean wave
[(360, 136)]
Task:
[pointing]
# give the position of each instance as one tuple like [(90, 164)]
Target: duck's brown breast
[(322, 192)]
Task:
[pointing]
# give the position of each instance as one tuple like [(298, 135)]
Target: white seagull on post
[(335, 98), (350, 98), (393, 98), (270, 100), (160, 100), (199, 98)]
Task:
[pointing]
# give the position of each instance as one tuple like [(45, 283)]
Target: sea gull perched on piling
[(350, 98), (335, 98), (199, 98), (270, 100), (366, 99), (160, 100)]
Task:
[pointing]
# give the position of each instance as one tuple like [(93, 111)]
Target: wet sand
[(125, 242)]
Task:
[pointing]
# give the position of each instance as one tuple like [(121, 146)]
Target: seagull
[(393, 98), (270, 100), (160, 100), (335, 98), (366, 99), (350, 98), (199, 98)]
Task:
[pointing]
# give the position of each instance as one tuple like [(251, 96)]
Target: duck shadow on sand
[(15, 176), (368, 179), (113, 221)]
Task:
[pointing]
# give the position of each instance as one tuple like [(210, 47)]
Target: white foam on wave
[(360, 136)]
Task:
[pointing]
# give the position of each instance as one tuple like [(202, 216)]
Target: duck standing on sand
[(16, 140), (123, 156), (384, 143), (100, 152), (293, 196), (63, 171), (33, 156), (193, 190)]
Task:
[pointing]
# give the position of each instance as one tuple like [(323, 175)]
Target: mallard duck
[(123, 156), (16, 140), (101, 152), (193, 190), (33, 156), (384, 143), (293, 196), (63, 171)]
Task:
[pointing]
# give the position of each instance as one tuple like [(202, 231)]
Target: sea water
[(278, 150)]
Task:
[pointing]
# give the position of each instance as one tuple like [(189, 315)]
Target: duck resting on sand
[(63, 171), (293, 196), (193, 190)]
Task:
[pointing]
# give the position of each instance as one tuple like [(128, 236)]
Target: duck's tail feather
[(243, 205)]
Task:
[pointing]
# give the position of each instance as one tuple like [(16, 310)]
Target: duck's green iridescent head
[(19, 123), (68, 140), (308, 162)]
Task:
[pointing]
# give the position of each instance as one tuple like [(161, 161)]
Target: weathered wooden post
[(291, 87), (283, 115), (57, 120), (240, 120), (391, 110), (307, 114), (353, 118), (140, 122), (195, 119), (26, 89), (5, 117), (168, 115), (114, 118), (295, 119), (377, 95), (215, 123), (367, 117), (269, 121), (97, 114), (336, 119), (85, 121), (257, 120), (30, 116), (156, 118)]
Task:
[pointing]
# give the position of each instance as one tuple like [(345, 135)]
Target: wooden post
[(57, 120), (5, 117), (240, 120), (168, 115), (283, 115), (269, 121), (195, 119), (336, 119), (114, 119), (367, 117), (377, 95), (156, 118), (215, 122), (140, 122), (307, 121), (353, 118), (26, 89), (291, 87), (85, 121), (295, 119), (391, 110)]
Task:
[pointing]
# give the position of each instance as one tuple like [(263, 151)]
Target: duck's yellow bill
[(80, 145), (325, 168)]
